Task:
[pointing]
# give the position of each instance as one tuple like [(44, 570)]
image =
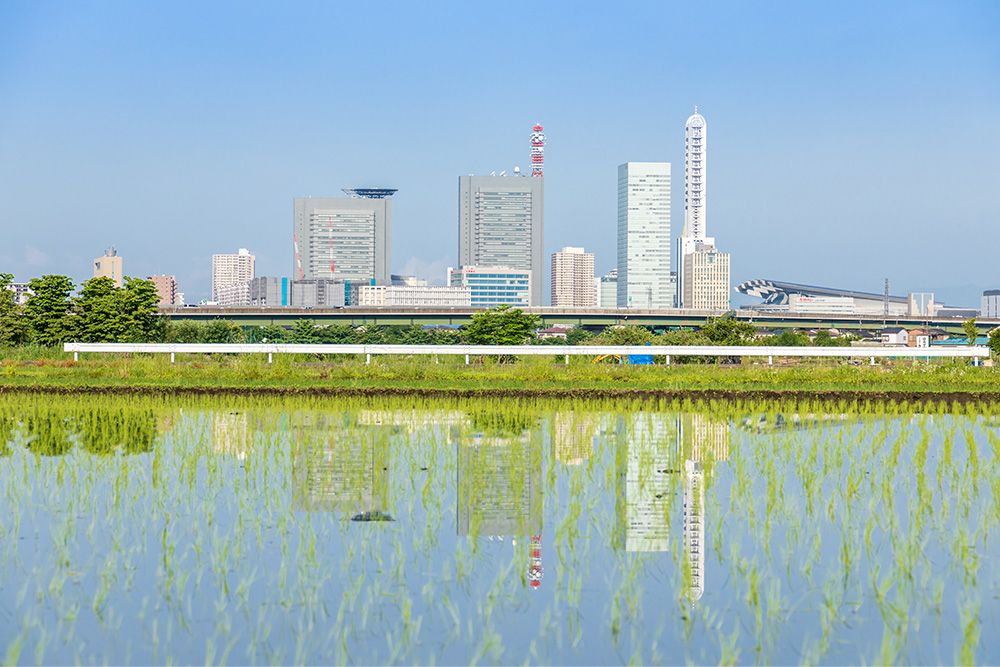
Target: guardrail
[(668, 351)]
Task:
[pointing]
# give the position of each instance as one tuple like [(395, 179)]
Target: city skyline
[(833, 151)]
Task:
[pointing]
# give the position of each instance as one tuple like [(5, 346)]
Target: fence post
[(171, 357), (873, 361), (76, 356), (770, 360), (269, 359), (368, 358), (668, 360), (567, 360), (466, 360)]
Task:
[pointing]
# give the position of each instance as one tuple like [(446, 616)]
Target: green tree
[(138, 299), (184, 331), (98, 311), (995, 342), (788, 339), (13, 329), (727, 330), (971, 331), (501, 325), (274, 334), (578, 336), (624, 335), (222, 331), (305, 332), (48, 313)]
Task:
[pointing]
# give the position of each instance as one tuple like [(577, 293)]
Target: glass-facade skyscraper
[(644, 235)]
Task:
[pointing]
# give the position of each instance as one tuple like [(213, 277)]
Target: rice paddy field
[(234, 530)]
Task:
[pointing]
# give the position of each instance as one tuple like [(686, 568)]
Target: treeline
[(98, 313), (103, 313)]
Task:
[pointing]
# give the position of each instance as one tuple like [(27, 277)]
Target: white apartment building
[(234, 294), (230, 270), (414, 296), (573, 278), (644, 235)]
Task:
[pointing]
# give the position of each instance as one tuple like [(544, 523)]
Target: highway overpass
[(591, 318)]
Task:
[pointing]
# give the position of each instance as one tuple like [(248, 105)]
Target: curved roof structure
[(776, 292)]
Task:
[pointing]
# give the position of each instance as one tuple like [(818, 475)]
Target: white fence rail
[(567, 351)]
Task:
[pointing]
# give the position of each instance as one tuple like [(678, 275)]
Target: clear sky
[(847, 141)]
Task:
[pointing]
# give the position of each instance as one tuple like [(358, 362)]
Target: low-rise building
[(21, 292), (233, 294), (798, 303), (318, 293), (413, 296), (493, 285), (268, 292), (894, 336)]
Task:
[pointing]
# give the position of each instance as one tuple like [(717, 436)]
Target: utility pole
[(885, 303)]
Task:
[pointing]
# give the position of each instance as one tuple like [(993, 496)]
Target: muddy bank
[(637, 395)]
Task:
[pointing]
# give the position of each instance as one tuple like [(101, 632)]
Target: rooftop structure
[(537, 150), (370, 193)]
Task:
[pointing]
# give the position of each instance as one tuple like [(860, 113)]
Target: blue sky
[(848, 141)]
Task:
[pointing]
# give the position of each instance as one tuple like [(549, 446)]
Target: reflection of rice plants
[(257, 530)]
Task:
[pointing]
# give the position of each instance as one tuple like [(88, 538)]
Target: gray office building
[(344, 238), (501, 220)]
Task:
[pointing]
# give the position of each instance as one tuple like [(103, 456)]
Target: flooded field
[(144, 530)]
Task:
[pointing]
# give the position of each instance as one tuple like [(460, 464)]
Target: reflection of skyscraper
[(231, 433), (644, 468), (498, 486), (694, 526), (338, 470), (703, 438), (573, 437)]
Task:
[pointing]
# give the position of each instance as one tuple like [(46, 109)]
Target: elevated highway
[(591, 318)]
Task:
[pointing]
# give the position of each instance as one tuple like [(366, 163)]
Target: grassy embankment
[(533, 375)]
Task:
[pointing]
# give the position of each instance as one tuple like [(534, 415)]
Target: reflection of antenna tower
[(537, 150), (694, 525), (535, 563)]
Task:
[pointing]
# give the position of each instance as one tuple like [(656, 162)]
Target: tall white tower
[(703, 278), (695, 172)]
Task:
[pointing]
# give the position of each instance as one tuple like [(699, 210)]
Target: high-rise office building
[(644, 235), (110, 266), (166, 288), (704, 272), (500, 223), (573, 278), (344, 238), (230, 270)]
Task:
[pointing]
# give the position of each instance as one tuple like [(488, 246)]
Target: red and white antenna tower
[(537, 150)]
